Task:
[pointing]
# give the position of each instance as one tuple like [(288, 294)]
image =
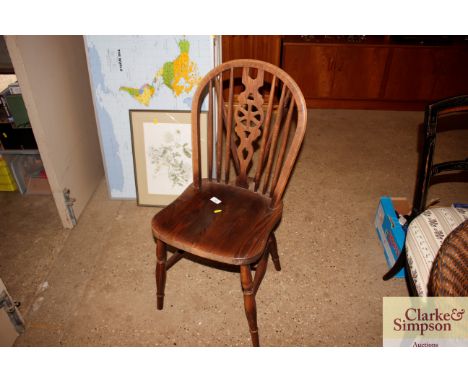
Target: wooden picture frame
[(162, 154)]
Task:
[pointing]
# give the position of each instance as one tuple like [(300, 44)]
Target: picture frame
[(162, 154)]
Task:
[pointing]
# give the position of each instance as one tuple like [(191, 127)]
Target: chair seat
[(238, 234), (426, 233)]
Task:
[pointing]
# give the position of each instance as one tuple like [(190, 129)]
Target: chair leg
[(273, 248), (399, 264), (249, 302), (260, 271), (161, 257)]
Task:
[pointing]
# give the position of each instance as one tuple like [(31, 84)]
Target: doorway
[(54, 81)]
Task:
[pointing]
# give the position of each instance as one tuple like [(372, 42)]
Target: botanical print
[(168, 157)]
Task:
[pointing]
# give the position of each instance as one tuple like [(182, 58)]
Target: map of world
[(140, 72)]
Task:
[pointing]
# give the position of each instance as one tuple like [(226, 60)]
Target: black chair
[(435, 222)]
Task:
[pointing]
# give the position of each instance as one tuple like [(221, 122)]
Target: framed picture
[(162, 154)]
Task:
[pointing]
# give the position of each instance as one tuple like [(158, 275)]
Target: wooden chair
[(428, 228), (258, 136)]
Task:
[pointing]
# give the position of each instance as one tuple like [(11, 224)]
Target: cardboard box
[(390, 229)]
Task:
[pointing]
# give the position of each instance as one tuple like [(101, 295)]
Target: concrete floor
[(99, 277)]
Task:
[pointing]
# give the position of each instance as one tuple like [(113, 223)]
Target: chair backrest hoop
[(247, 123)]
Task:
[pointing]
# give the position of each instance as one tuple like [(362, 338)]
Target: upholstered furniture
[(425, 235), (230, 216)]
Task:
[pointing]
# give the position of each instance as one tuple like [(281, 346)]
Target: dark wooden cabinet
[(451, 72), (264, 48), (313, 71), (336, 75), (373, 72), (412, 74), (349, 78), (427, 73), (328, 71)]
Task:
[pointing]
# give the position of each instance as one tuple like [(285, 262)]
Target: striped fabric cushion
[(426, 234)]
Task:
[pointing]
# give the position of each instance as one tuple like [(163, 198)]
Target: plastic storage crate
[(23, 167)]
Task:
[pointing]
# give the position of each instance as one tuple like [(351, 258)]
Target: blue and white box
[(390, 230)]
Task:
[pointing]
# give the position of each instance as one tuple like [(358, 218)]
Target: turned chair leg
[(249, 302), (273, 249), (161, 257)]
